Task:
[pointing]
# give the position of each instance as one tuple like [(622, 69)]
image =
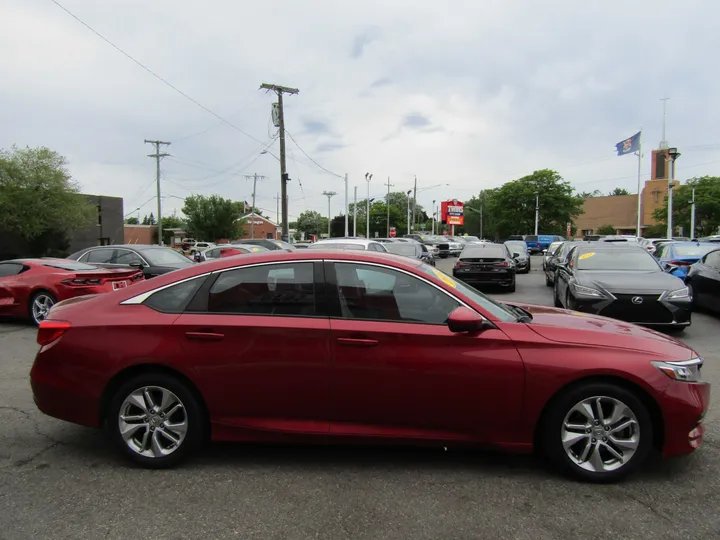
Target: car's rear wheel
[(556, 298), (547, 281), (155, 420), (597, 431), (40, 305), (511, 287)]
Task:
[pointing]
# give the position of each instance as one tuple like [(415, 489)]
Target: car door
[(706, 282), (564, 272), (400, 372), (258, 339)]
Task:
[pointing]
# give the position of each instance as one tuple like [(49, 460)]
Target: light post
[(692, 216), (537, 211), (409, 191), (329, 195), (673, 154), (368, 177)]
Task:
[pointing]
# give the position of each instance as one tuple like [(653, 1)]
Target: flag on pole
[(247, 206), (628, 146)]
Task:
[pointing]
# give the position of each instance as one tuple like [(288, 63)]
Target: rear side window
[(10, 269), (100, 256), (175, 298), (278, 289)]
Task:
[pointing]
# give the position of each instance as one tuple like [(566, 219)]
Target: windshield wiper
[(522, 315)]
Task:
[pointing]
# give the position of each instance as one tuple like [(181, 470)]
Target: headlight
[(579, 290), (686, 371), (680, 293)]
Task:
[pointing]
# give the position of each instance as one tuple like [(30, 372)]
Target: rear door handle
[(204, 336), (357, 342)]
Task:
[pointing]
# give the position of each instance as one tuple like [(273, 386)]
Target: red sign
[(392, 232), (568, 232), (452, 212)]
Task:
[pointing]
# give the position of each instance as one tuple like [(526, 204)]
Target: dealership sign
[(452, 212)]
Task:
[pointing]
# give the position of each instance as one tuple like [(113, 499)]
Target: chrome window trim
[(379, 265)]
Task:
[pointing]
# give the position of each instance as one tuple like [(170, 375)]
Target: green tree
[(149, 220), (39, 201), (211, 218), (132, 221), (312, 222), (171, 222), (707, 205), (606, 229), (588, 194), (619, 191), (512, 207)]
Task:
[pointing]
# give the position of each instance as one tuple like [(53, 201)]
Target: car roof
[(358, 241)]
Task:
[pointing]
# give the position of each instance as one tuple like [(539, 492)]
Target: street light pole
[(409, 229), (355, 215), (433, 217), (368, 177), (537, 211), (329, 195), (387, 203), (672, 154), (692, 216)]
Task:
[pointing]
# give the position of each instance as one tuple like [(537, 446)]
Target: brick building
[(261, 226), (140, 234), (620, 211)]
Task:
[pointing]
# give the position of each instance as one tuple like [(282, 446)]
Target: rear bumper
[(487, 278), (683, 407)]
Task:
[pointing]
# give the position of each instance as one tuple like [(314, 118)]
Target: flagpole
[(639, 202)]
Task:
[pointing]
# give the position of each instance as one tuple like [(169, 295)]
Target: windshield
[(283, 245), (516, 246), (693, 251), (165, 257), (497, 309), (407, 250), (336, 245), (71, 266), (552, 247), (630, 260), (471, 238)]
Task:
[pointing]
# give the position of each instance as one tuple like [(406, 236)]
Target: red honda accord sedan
[(349, 346)]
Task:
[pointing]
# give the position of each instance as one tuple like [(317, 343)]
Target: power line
[(311, 159), (151, 72), (139, 207)]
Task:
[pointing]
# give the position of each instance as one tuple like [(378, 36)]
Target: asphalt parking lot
[(59, 480)]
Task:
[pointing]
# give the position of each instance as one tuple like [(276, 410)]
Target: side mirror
[(463, 319), (544, 251), (670, 268), (516, 255), (137, 264)]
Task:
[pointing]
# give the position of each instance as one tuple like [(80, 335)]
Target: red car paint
[(278, 378), (51, 275)]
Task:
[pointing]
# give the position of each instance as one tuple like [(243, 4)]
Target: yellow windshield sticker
[(447, 280), (255, 250), (586, 256)]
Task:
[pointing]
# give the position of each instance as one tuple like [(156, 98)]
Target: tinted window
[(485, 250), (370, 292), (617, 259), (516, 247), (531, 238), (692, 251), (212, 253), (10, 269), (165, 257), (277, 289), (404, 249), (174, 298), (125, 256), (661, 250), (103, 256)]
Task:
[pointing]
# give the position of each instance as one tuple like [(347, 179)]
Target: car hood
[(564, 326), (629, 282)]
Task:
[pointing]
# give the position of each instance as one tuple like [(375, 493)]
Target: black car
[(153, 260), (486, 264), (560, 254), (703, 280), (272, 245), (411, 249), (625, 283)]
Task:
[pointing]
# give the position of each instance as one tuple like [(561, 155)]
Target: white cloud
[(468, 94)]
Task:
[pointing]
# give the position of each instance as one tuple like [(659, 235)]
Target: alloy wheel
[(41, 305), (600, 434), (153, 421)]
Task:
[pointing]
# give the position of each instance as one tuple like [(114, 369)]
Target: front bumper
[(683, 407), (650, 312)]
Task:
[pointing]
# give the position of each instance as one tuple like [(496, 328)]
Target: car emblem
[(637, 300)]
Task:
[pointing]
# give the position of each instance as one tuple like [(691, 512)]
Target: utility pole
[(347, 218), (355, 215), (433, 218), (157, 155), (409, 228), (537, 211), (277, 209), (280, 90), (481, 215), (692, 216), (387, 203), (663, 143), (368, 177), (414, 203), (254, 178), (329, 195)]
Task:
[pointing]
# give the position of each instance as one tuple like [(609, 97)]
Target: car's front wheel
[(155, 420), (40, 305), (597, 431)]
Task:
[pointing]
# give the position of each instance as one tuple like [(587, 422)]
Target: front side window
[(125, 256), (377, 293), (274, 289), (101, 256)]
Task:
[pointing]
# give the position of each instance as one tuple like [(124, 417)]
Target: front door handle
[(357, 342), (204, 336)]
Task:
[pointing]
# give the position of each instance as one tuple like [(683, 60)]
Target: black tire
[(551, 426), (556, 300), (196, 420), (511, 288), (568, 298), (49, 296), (547, 281)]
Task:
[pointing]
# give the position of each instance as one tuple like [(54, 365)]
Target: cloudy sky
[(470, 94)]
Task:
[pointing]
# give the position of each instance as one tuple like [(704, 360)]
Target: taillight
[(49, 331), (460, 264), (504, 263), (80, 282), (680, 263), (539, 245)]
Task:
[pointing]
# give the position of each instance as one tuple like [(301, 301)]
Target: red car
[(30, 287), (354, 345)]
